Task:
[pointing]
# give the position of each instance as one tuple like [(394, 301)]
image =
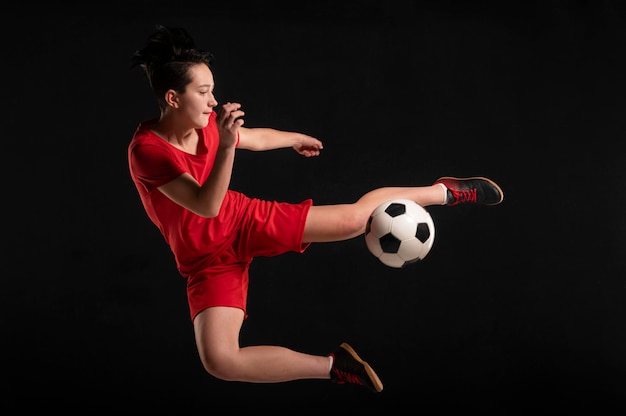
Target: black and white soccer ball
[(400, 232)]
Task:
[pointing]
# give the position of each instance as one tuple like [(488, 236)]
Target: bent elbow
[(207, 211)]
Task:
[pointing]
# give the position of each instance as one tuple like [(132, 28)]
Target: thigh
[(327, 223), (272, 228), (225, 284), (217, 329)]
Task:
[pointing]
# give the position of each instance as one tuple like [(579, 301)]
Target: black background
[(518, 309)]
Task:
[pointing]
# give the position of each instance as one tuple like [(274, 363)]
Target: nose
[(212, 101)]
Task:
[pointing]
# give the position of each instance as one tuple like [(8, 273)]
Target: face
[(198, 101)]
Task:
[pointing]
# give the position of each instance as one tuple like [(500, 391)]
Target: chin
[(203, 122)]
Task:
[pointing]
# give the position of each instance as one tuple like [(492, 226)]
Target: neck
[(183, 138), (172, 132)]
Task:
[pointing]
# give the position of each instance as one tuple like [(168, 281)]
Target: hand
[(228, 122), (308, 146)]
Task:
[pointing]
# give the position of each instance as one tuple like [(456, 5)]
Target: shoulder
[(144, 136), (145, 145)]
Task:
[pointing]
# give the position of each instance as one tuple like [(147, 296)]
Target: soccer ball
[(399, 232)]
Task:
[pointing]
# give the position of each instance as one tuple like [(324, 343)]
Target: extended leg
[(344, 221)]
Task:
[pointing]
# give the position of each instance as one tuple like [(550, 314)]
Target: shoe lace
[(464, 195), (346, 377)]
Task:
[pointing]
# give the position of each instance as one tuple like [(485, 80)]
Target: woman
[(181, 164)]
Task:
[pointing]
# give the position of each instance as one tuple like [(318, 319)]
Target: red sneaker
[(475, 190), (349, 368)]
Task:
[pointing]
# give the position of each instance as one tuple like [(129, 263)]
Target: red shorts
[(269, 228)]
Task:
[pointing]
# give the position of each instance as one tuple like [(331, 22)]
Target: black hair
[(166, 58)]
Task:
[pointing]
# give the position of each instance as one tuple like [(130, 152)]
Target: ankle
[(445, 193)]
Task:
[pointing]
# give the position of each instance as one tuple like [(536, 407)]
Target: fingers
[(309, 146), (309, 151), (230, 114), (228, 107)]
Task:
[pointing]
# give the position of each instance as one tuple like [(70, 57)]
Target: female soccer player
[(181, 163)]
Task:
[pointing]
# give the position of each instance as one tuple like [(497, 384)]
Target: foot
[(349, 368), (476, 190)]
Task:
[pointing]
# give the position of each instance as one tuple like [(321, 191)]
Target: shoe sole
[(378, 385), (495, 185)]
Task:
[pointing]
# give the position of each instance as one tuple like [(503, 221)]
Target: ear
[(171, 98)]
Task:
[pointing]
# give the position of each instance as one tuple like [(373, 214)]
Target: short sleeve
[(153, 165)]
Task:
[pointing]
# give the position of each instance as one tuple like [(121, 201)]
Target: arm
[(206, 199), (260, 139)]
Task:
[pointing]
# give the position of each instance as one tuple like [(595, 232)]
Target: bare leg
[(344, 221), (217, 329), (217, 338)]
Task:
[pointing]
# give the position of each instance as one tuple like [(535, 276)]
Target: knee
[(355, 224), (219, 365)]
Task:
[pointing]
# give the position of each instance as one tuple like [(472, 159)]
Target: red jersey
[(214, 254), (154, 162)]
